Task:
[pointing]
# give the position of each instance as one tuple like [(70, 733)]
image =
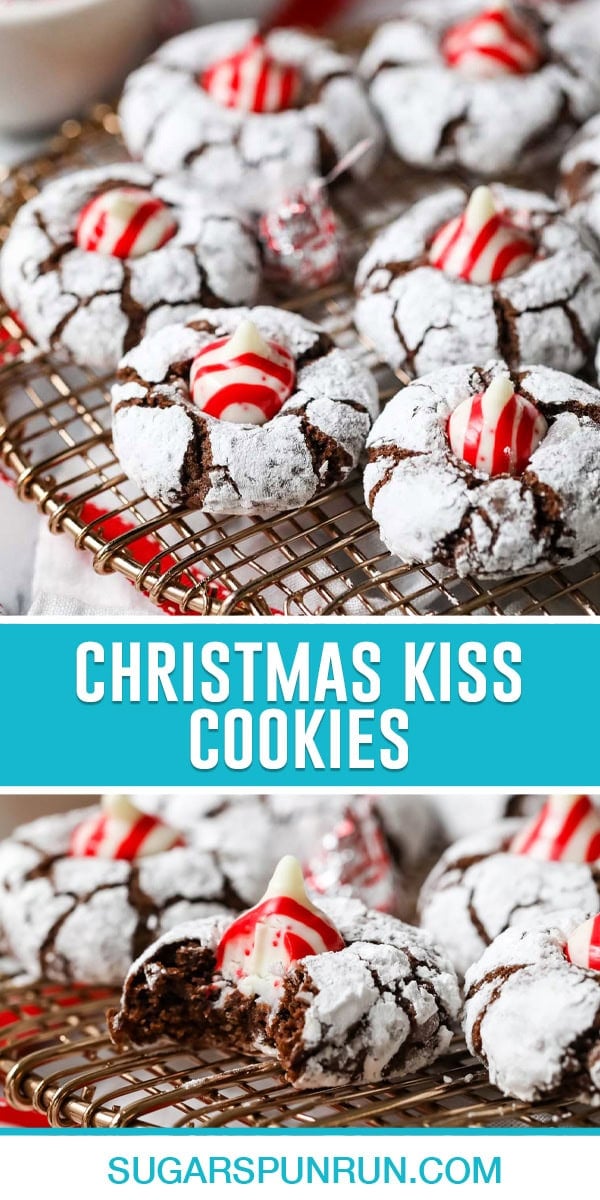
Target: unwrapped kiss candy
[(567, 830), (120, 830)]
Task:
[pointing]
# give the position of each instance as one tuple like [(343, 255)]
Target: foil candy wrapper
[(355, 859), (301, 240)]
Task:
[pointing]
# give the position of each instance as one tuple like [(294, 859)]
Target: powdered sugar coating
[(265, 827), (85, 918), (533, 1017), (96, 306), (579, 187), (171, 123), (432, 506), (419, 319), (386, 1004), (489, 126), (177, 453), (478, 889)]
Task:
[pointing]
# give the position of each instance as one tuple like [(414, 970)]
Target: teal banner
[(232, 704)]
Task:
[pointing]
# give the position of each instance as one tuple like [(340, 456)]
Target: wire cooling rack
[(324, 559), (56, 1060)]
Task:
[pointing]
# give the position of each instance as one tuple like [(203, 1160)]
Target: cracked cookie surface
[(490, 126), (84, 919), (432, 506), (533, 1017), (171, 123), (180, 454), (418, 318), (478, 889), (96, 306), (579, 187), (386, 1004)]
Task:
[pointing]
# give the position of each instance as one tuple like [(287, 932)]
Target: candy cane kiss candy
[(126, 222), (566, 830), (482, 245), (260, 946), (583, 946), (495, 42), (253, 80), (242, 378), (120, 830), (496, 431)]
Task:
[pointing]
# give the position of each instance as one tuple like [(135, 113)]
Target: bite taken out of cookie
[(334, 994)]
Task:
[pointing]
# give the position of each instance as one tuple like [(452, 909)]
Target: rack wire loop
[(56, 1059)]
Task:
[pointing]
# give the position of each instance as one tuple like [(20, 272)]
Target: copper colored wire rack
[(324, 559), (56, 1059)]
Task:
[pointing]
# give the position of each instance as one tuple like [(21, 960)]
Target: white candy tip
[(497, 395), (247, 339), (561, 804), (480, 209), (120, 806), (287, 880)]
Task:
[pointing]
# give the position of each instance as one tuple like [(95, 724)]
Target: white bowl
[(57, 56)]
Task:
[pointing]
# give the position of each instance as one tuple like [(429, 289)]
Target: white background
[(73, 1164)]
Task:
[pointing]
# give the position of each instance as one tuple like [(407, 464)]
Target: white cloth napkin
[(65, 584)]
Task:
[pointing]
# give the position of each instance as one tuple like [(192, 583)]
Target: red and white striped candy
[(253, 81), (496, 431), (481, 246), (566, 830), (260, 946), (125, 222), (242, 378), (583, 946), (122, 831), (496, 42)]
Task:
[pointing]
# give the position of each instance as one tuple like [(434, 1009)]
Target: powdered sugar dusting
[(418, 318), (532, 1016), (489, 126), (478, 889), (429, 505), (83, 919), (173, 124), (95, 305), (314, 440), (388, 1001)]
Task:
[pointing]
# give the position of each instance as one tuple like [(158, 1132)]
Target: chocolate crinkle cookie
[(482, 885), (350, 845), (488, 472), (74, 908), (241, 411), (532, 1010), (103, 256), (251, 116), (274, 820), (579, 187), (336, 994), (502, 275), (505, 87)]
